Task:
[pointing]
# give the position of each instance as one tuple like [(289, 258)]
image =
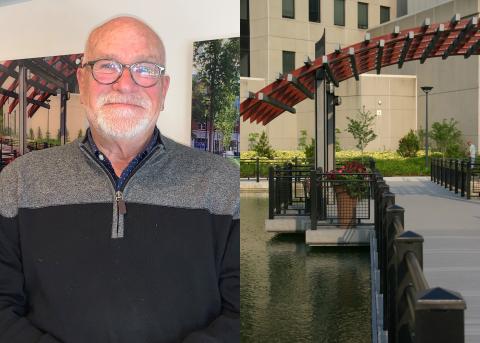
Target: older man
[(125, 235)]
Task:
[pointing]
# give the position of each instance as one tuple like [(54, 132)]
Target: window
[(362, 15), (339, 12), (384, 14), (288, 59), (288, 9), (314, 11), (244, 39)]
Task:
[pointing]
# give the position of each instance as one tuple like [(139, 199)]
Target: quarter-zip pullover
[(76, 267)]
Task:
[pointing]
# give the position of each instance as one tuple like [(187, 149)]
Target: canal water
[(291, 293)]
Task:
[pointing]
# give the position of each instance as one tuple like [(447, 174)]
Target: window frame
[(319, 11), (292, 54), (335, 2), (286, 16), (389, 17), (360, 5)]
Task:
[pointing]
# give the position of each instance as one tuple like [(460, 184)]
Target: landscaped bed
[(389, 163)]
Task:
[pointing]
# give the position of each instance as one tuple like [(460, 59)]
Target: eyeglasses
[(144, 74)]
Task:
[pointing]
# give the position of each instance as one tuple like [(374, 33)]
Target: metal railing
[(297, 190), (258, 168), (287, 191), (458, 175), (339, 202), (412, 311)]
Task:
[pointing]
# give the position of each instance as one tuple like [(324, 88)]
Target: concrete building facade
[(394, 96), (275, 37)]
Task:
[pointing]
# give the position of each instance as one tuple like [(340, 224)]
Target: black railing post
[(379, 186), (468, 178), (405, 243), (462, 178), (387, 201), (271, 192), (450, 174), (313, 200), (442, 171), (439, 316), (395, 223), (278, 190), (432, 170), (456, 176), (257, 169)]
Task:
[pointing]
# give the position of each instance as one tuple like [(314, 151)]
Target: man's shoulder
[(201, 162), (38, 160)]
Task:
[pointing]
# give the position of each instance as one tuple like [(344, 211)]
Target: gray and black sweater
[(76, 266)]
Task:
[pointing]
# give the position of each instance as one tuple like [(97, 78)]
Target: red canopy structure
[(456, 37), (48, 75), (36, 80)]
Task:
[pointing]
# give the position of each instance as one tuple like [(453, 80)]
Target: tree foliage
[(39, 134), (261, 145), (447, 137), (217, 69), (307, 148), (31, 134), (252, 140), (409, 145), (361, 128)]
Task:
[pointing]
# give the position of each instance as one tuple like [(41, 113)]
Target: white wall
[(38, 28)]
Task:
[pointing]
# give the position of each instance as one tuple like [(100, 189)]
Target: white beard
[(124, 123)]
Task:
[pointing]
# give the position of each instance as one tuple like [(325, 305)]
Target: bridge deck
[(451, 228)]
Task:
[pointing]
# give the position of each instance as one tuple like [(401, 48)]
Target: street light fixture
[(426, 90)]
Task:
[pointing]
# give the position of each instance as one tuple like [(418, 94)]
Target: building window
[(244, 39), (288, 61), (362, 15), (288, 9), (339, 12), (384, 14), (314, 11)]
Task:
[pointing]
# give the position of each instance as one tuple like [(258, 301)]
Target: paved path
[(451, 228)]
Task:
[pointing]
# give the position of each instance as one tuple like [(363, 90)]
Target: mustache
[(131, 99)]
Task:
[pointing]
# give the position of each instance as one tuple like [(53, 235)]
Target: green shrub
[(408, 145)]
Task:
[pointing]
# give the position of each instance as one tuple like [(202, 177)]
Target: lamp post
[(426, 90)]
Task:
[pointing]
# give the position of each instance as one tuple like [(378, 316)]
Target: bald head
[(125, 27)]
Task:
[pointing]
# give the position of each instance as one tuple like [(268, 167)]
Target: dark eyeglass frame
[(123, 66)]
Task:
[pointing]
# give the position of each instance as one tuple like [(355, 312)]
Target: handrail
[(416, 273), (410, 304)]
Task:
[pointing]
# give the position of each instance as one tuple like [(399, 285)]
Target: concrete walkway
[(450, 225)]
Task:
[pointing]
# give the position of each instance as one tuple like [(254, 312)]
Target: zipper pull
[(122, 208)]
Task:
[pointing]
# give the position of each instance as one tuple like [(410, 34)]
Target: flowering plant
[(351, 177)]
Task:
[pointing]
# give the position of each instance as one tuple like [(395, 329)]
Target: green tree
[(307, 148), (263, 148), (31, 135), (447, 137), (310, 151), (302, 140), (39, 134), (408, 145), (421, 137), (337, 140), (361, 128), (217, 66), (227, 118), (252, 140)]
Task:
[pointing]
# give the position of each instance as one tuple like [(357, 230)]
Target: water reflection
[(291, 293)]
